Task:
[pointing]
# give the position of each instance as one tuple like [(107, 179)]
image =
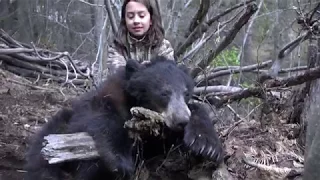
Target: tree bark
[(312, 117)]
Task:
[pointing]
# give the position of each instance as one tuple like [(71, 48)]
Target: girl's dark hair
[(154, 35)]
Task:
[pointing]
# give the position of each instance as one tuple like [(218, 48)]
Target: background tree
[(261, 52)]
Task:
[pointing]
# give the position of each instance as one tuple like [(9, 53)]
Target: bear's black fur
[(200, 135), (161, 86)]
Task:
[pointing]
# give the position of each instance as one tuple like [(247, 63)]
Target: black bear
[(161, 86)]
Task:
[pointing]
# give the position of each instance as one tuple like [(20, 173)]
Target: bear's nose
[(181, 120)]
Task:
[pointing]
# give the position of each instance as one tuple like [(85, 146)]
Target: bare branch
[(201, 43), (210, 89), (111, 16), (293, 44), (15, 50), (198, 18), (90, 4), (217, 17), (31, 86), (232, 70), (240, 54), (202, 28), (249, 92), (36, 59), (286, 70), (251, 9), (35, 67), (159, 10), (307, 76), (8, 40), (314, 11)]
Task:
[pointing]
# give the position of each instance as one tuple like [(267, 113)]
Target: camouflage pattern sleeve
[(115, 60), (166, 50)]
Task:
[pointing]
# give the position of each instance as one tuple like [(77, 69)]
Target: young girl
[(140, 35)]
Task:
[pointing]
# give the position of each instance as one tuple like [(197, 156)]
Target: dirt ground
[(24, 109)]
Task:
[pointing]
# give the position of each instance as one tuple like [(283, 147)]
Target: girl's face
[(138, 20)]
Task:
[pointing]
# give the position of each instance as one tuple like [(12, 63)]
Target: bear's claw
[(203, 140)]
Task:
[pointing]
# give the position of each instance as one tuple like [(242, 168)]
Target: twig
[(74, 67), (31, 86), (227, 131), (240, 55), (90, 4)]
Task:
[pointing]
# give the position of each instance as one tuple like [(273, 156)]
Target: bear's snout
[(181, 119), (177, 114)]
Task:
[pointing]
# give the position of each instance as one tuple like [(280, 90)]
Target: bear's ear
[(132, 66)]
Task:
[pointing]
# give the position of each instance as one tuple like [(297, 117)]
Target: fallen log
[(77, 146), (67, 147)]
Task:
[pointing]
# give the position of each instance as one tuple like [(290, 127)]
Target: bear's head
[(161, 86)]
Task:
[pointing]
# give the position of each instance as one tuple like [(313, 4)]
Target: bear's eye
[(187, 94), (165, 93)]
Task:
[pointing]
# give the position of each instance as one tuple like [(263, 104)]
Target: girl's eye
[(142, 14), (130, 15)]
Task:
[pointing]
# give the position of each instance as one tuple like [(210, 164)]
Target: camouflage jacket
[(138, 51)]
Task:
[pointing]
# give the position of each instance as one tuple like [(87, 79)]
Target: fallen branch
[(232, 70), (308, 75), (220, 88), (31, 86), (35, 67), (33, 74), (250, 92), (29, 58), (285, 70), (259, 92)]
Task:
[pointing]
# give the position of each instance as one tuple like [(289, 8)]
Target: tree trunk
[(311, 116)]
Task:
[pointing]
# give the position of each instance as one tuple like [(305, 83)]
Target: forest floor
[(24, 109)]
